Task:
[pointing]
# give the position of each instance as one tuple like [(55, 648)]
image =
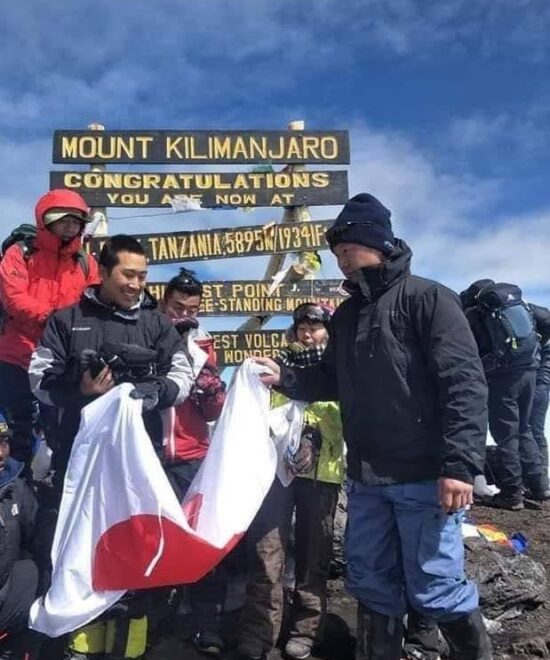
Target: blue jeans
[(399, 542)]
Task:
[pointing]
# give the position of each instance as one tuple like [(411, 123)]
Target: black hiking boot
[(510, 499), (379, 637), (467, 638), (536, 490)]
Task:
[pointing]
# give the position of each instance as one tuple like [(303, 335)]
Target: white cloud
[(525, 131), (448, 218)]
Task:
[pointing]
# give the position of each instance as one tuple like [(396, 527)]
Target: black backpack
[(24, 236), (509, 324)]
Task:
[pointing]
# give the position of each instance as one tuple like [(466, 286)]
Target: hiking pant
[(17, 596), (17, 401), (400, 546), (511, 397), (538, 419), (207, 596), (268, 537)]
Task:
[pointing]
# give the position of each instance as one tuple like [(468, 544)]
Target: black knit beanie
[(363, 220)]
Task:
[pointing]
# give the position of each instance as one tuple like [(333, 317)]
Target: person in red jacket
[(187, 438), (33, 284)]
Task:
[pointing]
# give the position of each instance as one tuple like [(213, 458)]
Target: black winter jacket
[(542, 325), (403, 364), (17, 514), (55, 370)]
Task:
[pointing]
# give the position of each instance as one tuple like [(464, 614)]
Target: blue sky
[(448, 104)]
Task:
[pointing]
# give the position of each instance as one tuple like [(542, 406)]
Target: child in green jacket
[(318, 467)]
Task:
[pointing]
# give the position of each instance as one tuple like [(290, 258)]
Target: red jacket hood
[(57, 199)]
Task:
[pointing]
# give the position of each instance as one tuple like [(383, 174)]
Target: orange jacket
[(32, 287)]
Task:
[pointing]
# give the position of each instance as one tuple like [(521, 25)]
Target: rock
[(509, 583)]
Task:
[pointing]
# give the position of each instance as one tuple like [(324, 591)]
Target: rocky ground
[(524, 636), (528, 635)]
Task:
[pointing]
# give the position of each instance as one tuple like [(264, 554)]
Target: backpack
[(24, 236), (509, 324)]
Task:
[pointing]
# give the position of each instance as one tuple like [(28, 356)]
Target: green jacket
[(326, 416)]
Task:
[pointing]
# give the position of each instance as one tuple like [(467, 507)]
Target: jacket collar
[(373, 282), (146, 301), (12, 469)]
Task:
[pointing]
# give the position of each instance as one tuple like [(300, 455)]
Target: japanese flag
[(120, 525)]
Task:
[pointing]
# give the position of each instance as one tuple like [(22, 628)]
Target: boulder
[(509, 583)]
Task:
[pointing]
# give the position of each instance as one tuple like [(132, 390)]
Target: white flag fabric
[(286, 423), (120, 525)]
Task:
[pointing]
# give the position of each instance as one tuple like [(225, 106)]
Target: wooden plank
[(201, 147), (248, 241), (244, 297), (211, 190), (232, 348)]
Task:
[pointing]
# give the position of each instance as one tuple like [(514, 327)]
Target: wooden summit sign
[(249, 241), (129, 189), (232, 348), (245, 297), (201, 147)]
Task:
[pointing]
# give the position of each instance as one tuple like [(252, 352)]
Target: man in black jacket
[(18, 574), (404, 366), (511, 376), (114, 334)]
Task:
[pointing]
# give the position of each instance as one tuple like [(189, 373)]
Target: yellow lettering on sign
[(193, 150), (144, 143), (239, 148), (69, 147), (72, 180), (278, 153), (151, 181), (219, 183), (293, 150), (311, 147), (329, 148), (173, 147), (220, 148), (241, 181), (203, 181), (258, 149), (170, 181), (320, 179)]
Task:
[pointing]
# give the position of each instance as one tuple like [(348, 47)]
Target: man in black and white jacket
[(403, 364), (114, 334)]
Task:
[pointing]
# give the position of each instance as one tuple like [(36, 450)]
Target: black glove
[(185, 323), (89, 361), (128, 362), (305, 459), (149, 392)]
